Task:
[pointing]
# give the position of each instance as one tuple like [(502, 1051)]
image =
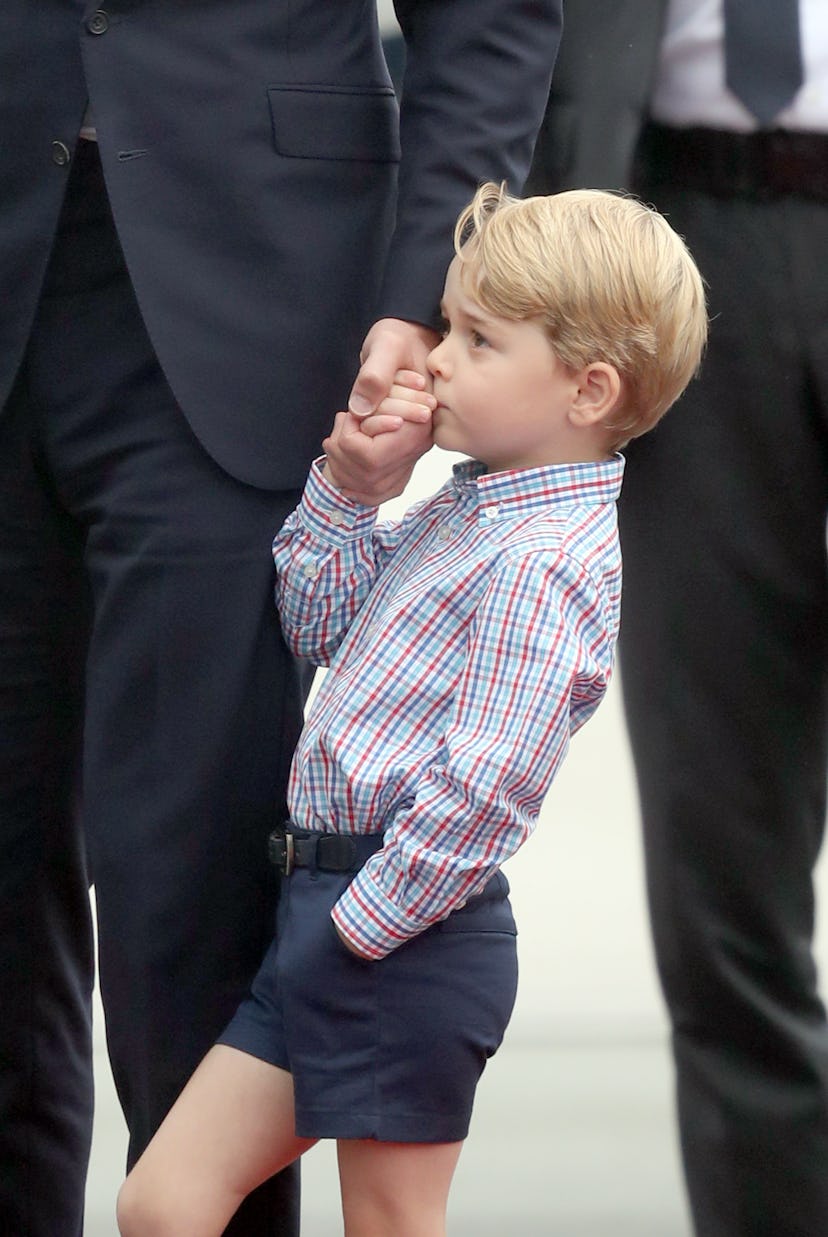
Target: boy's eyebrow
[(473, 315)]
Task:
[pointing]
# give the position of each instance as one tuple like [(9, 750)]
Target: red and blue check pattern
[(466, 644)]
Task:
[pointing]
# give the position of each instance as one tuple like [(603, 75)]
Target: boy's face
[(503, 395)]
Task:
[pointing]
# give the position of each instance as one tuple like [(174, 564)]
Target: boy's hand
[(351, 949), (408, 399), (365, 460), (370, 469)]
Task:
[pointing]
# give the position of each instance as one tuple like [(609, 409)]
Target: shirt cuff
[(327, 514), (372, 923)]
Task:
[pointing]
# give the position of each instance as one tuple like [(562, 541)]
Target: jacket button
[(60, 153), (98, 23)]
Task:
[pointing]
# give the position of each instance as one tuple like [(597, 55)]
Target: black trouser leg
[(724, 657), (46, 964), (192, 701)]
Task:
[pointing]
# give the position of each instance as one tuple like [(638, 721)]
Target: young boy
[(466, 645)]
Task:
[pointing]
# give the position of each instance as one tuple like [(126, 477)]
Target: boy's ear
[(599, 389)]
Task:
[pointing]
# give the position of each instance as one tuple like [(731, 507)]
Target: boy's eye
[(477, 340)]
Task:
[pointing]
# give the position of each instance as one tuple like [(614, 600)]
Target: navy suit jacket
[(251, 152)]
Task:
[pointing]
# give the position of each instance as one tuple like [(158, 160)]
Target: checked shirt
[(466, 644)]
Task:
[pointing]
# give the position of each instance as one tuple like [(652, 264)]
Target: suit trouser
[(139, 643), (724, 661)]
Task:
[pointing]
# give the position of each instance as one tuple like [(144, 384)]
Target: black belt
[(290, 848), (768, 164)]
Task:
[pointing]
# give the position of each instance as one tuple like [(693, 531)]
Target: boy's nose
[(436, 359)]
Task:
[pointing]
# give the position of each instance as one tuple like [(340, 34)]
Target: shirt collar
[(522, 490)]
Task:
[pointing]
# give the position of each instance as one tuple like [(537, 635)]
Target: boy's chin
[(442, 437)]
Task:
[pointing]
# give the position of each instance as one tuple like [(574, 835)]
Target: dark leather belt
[(297, 848), (760, 166)]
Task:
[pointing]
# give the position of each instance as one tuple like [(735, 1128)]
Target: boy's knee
[(128, 1211), (139, 1215)]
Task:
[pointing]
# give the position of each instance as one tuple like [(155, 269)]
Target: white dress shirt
[(690, 83)]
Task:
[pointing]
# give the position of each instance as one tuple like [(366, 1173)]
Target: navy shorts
[(390, 1049)]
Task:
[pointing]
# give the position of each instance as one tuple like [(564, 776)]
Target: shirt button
[(60, 153), (491, 513), (443, 532), (98, 23), (310, 571), (337, 518)]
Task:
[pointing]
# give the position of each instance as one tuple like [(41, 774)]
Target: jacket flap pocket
[(335, 122)]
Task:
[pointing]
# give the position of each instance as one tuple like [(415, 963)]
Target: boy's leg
[(231, 1129), (395, 1189)]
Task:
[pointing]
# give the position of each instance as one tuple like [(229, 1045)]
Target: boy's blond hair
[(606, 275)]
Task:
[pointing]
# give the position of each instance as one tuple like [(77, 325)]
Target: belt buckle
[(281, 851)]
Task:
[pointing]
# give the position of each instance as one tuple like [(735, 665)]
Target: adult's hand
[(391, 345)]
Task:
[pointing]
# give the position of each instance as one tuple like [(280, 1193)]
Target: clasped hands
[(373, 447)]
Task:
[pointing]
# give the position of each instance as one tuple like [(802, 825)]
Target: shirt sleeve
[(327, 554), (540, 656)]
